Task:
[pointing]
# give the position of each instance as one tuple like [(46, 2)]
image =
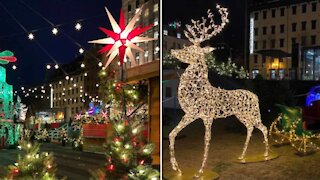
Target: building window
[(256, 15), (303, 25), (255, 72), (282, 28), (137, 3), (272, 74), (313, 24), (264, 14), (281, 43), (314, 7), (281, 74), (273, 43), (165, 44), (294, 27), (255, 45), (303, 40), (304, 8), (293, 40), (255, 59), (294, 10), (264, 44), (168, 92), (282, 11), (313, 40), (165, 32), (264, 30), (273, 29), (273, 13), (129, 8), (179, 35), (179, 46), (256, 31)]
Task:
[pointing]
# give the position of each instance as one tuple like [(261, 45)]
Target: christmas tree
[(128, 153), (33, 165)]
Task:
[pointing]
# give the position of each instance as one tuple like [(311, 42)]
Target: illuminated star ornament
[(6, 57), (78, 117), (123, 38)]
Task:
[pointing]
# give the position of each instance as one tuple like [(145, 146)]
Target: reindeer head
[(198, 33)]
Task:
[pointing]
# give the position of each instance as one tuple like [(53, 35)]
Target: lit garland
[(32, 165), (199, 99), (287, 128), (227, 69)]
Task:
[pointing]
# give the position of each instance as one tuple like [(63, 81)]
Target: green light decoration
[(6, 95), (6, 57), (7, 125)]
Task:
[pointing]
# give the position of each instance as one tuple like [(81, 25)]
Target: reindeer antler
[(198, 32)]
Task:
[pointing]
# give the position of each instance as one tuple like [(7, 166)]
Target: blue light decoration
[(313, 95), (93, 110)]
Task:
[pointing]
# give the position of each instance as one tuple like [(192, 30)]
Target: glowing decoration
[(123, 38), (199, 99), (251, 39), (78, 26), (48, 66), (14, 67), (288, 128), (30, 36), (100, 64), (6, 57), (56, 66), (82, 65), (67, 77), (313, 95), (55, 31), (81, 51)]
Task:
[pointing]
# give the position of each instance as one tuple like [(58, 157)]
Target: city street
[(70, 163)]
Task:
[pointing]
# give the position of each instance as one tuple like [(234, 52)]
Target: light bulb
[(30, 36), (78, 26)]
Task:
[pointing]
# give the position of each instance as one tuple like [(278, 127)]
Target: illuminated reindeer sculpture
[(199, 99)]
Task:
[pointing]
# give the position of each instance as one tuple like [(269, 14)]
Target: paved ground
[(71, 164), (226, 146)]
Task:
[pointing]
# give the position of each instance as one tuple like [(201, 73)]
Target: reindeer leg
[(264, 130), (186, 120), (207, 138), (249, 132)]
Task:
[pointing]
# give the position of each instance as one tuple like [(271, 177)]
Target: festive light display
[(199, 99), (123, 38), (128, 153), (6, 57), (32, 165), (288, 128)]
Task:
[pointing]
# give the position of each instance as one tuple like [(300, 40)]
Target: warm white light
[(55, 31), (199, 99), (67, 77), (48, 66), (22, 88), (100, 64), (56, 66), (83, 65), (30, 36), (81, 51), (85, 74), (78, 26), (14, 67)]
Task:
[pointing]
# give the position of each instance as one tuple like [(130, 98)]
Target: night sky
[(31, 59), (185, 10)]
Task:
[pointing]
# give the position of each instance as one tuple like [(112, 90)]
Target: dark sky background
[(31, 59), (185, 10)]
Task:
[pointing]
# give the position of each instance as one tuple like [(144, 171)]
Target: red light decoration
[(123, 38), (6, 57)]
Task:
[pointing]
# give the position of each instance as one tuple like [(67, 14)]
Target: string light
[(14, 67), (56, 66), (82, 65), (48, 66), (78, 26), (81, 51), (30, 36), (199, 99), (67, 77), (100, 64), (55, 31)]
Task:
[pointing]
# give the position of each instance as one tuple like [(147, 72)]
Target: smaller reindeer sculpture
[(199, 99)]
